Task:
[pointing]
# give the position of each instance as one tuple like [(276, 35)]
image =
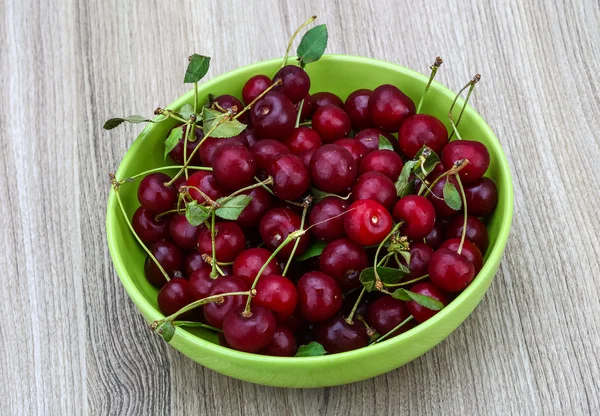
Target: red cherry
[(321, 99), (343, 260), (249, 262), (469, 251), (229, 241), (319, 296), (254, 87), (276, 225), (261, 202), (265, 151), (356, 148), (370, 139), (278, 294), (436, 236), (215, 312), (476, 231), (436, 197), (450, 271), (418, 215), (332, 168), (290, 177), (154, 195), (420, 256), (211, 144), (295, 82), (386, 313), (389, 107), (170, 258), (476, 153), (302, 139), (367, 222), (322, 212), (422, 130), (204, 181), (421, 313), (306, 157), (193, 261), (377, 187), (273, 116), (283, 343), (357, 107), (307, 108), (482, 197), (249, 334), (201, 283), (173, 296), (387, 162), (177, 153), (331, 122), (184, 234), (234, 166), (229, 102), (336, 335), (147, 227)]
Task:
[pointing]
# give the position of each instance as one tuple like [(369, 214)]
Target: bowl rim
[(494, 256)]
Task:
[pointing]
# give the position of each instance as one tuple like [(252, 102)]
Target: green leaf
[(387, 275), (403, 185), (313, 349), (186, 111), (384, 143), (174, 137), (114, 122), (197, 68), (423, 300), (167, 330), (312, 46), (196, 214), (428, 160), (314, 250), (451, 196), (228, 128), (319, 195), (231, 209)]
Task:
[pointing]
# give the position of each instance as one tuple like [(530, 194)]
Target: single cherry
[(367, 222), (322, 213), (357, 107), (356, 148), (170, 258), (249, 262), (193, 261), (422, 130), (201, 283), (215, 312), (254, 87), (290, 177), (154, 195), (377, 187), (229, 241), (261, 202), (420, 256), (343, 260), (278, 294), (332, 168), (421, 313), (482, 197), (331, 122), (273, 116), (211, 144), (476, 153), (386, 313), (283, 343), (249, 333), (265, 151), (319, 296), (233, 166), (302, 139), (337, 335), (276, 225), (174, 295), (436, 236), (387, 162), (469, 251), (321, 99), (295, 82), (476, 231), (147, 227), (389, 107), (230, 103), (206, 182), (418, 215), (450, 271), (370, 139), (184, 234), (177, 153)]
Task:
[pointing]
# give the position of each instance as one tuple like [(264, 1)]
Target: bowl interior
[(341, 75)]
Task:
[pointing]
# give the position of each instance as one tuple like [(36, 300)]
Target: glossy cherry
[(283, 343), (184, 234), (249, 136), (201, 283), (476, 231), (278, 294), (450, 271), (387, 162), (331, 122), (332, 168), (436, 236), (249, 262), (337, 335), (356, 148), (265, 151), (476, 153), (215, 312), (420, 256), (482, 197), (422, 130), (177, 153), (319, 296), (229, 102), (273, 116), (377, 187), (206, 182), (343, 260), (193, 261), (249, 333), (229, 241), (276, 225), (173, 296), (389, 107), (154, 195), (436, 197), (367, 222), (261, 202), (369, 137), (170, 258), (386, 313), (147, 227), (290, 177), (233, 166), (321, 99), (418, 215), (306, 157), (469, 250), (357, 107), (421, 313), (211, 144), (322, 212), (295, 82), (302, 139), (254, 87)]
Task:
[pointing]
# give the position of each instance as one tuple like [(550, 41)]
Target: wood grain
[(73, 343)]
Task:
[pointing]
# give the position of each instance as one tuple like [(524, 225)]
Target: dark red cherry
[(436, 197), (250, 137), (420, 256), (469, 250), (249, 262), (211, 144), (261, 202), (278, 294), (215, 312), (450, 271), (249, 333), (386, 313), (173, 296), (234, 166), (331, 122), (229, 102), (307, 108), (290, 177), (436, 236), (328, 229), (306, 157), (273, 116), (184, 234), (377, 187), (418, 215), (476, 153), (421, 313), (283, 343), (302, 139), (265, 151), (170, 258), (343, 260), (370, 138), (147, 227), (295, 82), (321, 99), (357, 107), (201, 283), (154, 195), (204, 181), (387, 162), (193, 261), (476, 231), (389, 107), (332, 168), (177, 153), (276, 225), (319, 296), (367, 222), (336, 335), (422, 130), (229, 241), (482, 197), (254, 87), (356, 148)]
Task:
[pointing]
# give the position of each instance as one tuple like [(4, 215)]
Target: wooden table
[(72, 341)]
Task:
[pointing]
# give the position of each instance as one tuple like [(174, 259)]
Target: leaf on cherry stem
[(312, 46), (384, 143), (428, 160), (226, 127), (114, 122), (423, 300), (404, 186), (451, 196), (197, 67), (232, 208), (313, 349), (315, 249), (174, 137), (186, 111), (196, 214), (388, 275)]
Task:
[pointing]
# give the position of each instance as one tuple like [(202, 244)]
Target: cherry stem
[(262, 94), (464, 202), (306, 205), (289, 46), (194, 324), (162, 214), (162, 270), (329, 219), (169, 113), (213, 272), (299, 113), (122, 181), (185, 144), (268, 181), (353, 311), (470, 85), (378, 283), (454, 169), (434, 68), (400, 325), (408, 282), (305, 123), (265, 187)]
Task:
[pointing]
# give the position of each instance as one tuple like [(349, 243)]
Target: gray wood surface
[(73, 343)]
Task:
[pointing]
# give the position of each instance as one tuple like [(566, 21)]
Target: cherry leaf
[(423, 300), (232, 208), (451, 196), (174, 136), (226, 128), (388, 275), (428, 160), (314, 250), (384, 143), (186, 111), (197, 68), (403, 185), (196, 214), (313, 349), (312, 46), (114, 122), (167, 330)]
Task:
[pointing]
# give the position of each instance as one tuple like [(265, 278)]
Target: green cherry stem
[(355, 307), (268, 181), (464, 202), (305, 123), (122, 181), (378, 283), (453, 170), (171, 211), (262, 94), (408, 282), (213, 272), (434, 68), (305, 205), (400, 325), (299, 113), (185, 145), (289, 46), (194, 324), (470, 85)]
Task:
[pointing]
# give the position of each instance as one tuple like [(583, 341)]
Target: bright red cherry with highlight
[(154, 195), (173, 296), (322, 213), (367, 222), (215, 312), (357, 107), (321, 99), (229, 241), (422, 130), (278, 294), (343, 260), (147, 227), (476, 153), (356, 148), (450, 271), (337, 335), (319, 296), (302, 139), (290, 177), (254, 87), (418, 215), (377, 187), (332, 169), (273, 116), (295, 82), (421, 313), (234, 166), (206, 182), (387, 162), (331, 122), (249, 262), (249, 333), (389, 107), (469, 251)]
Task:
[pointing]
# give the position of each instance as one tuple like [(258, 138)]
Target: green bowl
[(340, 74)]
